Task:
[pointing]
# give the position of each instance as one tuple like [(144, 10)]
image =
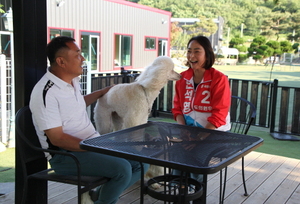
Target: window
[(123, 50), (162, 47), (90, 48), (150, 43), (6, 45), (59, 32)]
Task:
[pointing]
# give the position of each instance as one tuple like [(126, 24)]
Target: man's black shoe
[(93, 194)]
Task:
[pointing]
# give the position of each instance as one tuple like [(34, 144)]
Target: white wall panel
[(110, 17)]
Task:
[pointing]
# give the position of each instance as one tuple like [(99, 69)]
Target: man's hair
[(209, 53), (55, 45)]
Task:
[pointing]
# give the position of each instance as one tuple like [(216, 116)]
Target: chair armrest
[(69, 154)]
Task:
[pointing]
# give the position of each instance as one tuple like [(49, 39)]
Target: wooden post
[(273, 107), (30, 40)]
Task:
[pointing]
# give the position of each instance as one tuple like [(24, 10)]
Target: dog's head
[(161, 70), (165, 65)]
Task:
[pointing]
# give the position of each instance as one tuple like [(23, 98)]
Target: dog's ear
[(163, 61)]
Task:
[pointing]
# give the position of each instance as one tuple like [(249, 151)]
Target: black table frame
[(87, 145)]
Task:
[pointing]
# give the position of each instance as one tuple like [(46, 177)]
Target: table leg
[(222, 192), (183, 190), (142, 187), (203, 197), (222, 185)]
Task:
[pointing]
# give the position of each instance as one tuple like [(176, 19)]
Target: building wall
[(217, 38), (110, 17)]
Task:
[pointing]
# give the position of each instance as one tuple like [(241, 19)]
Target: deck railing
[(285, 117), (278, 107)]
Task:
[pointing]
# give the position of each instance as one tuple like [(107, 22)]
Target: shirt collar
[(57, 81), (189, 75)]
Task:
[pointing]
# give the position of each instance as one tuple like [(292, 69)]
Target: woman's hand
[(180, 119)]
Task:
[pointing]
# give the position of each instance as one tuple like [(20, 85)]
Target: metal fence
[(257, 92), (285, 115), (277, 107), (7, 100)]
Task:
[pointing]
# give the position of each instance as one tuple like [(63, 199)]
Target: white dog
[(128, 105)]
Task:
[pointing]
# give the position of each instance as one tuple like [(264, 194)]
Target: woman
[(202, 96)]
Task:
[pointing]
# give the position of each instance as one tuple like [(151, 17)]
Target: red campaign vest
[(212, 95), (198, 102)]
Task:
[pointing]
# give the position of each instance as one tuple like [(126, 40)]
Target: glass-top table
[(186, 148)]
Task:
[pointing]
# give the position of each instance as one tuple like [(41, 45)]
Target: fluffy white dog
[(128, 105)]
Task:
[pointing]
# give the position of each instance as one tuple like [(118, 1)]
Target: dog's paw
[(86, 198), (155, 186)]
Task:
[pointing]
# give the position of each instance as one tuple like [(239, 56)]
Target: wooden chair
[(30, 153), (242, 115)]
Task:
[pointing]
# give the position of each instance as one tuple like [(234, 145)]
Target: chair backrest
[(242, 115), (27, 142)]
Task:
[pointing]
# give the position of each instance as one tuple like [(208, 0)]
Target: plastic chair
[(30, 153), (242, 115)]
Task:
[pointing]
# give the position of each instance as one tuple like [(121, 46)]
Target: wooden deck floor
[(270, 179)]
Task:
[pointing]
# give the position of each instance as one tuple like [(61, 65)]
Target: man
[(61, 121)]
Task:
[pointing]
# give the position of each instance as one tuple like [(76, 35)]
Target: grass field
[(287, 76), (7, 165)]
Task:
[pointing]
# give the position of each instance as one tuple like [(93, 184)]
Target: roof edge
[(140, 6)]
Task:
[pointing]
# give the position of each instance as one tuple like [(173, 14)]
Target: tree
[(257, 57), (295, 26), (236, 41), (286, 46), (259, 49), (295, 47), (274, 23), (1, 10), (275, 45), (175, 32), (274, 17), (178, 39), (274, 1), (135, 1), (260, 40), (204, 26), (254, 51)]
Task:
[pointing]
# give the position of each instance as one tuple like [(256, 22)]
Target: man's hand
[(105, 90), (92, 97)]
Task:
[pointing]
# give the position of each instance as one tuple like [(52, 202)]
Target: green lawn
[(286, 75), (7, 165), (276, 147)]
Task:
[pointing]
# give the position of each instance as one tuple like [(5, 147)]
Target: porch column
[(30, 39)]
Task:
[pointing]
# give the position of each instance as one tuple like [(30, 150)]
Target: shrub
[(242, 58)]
